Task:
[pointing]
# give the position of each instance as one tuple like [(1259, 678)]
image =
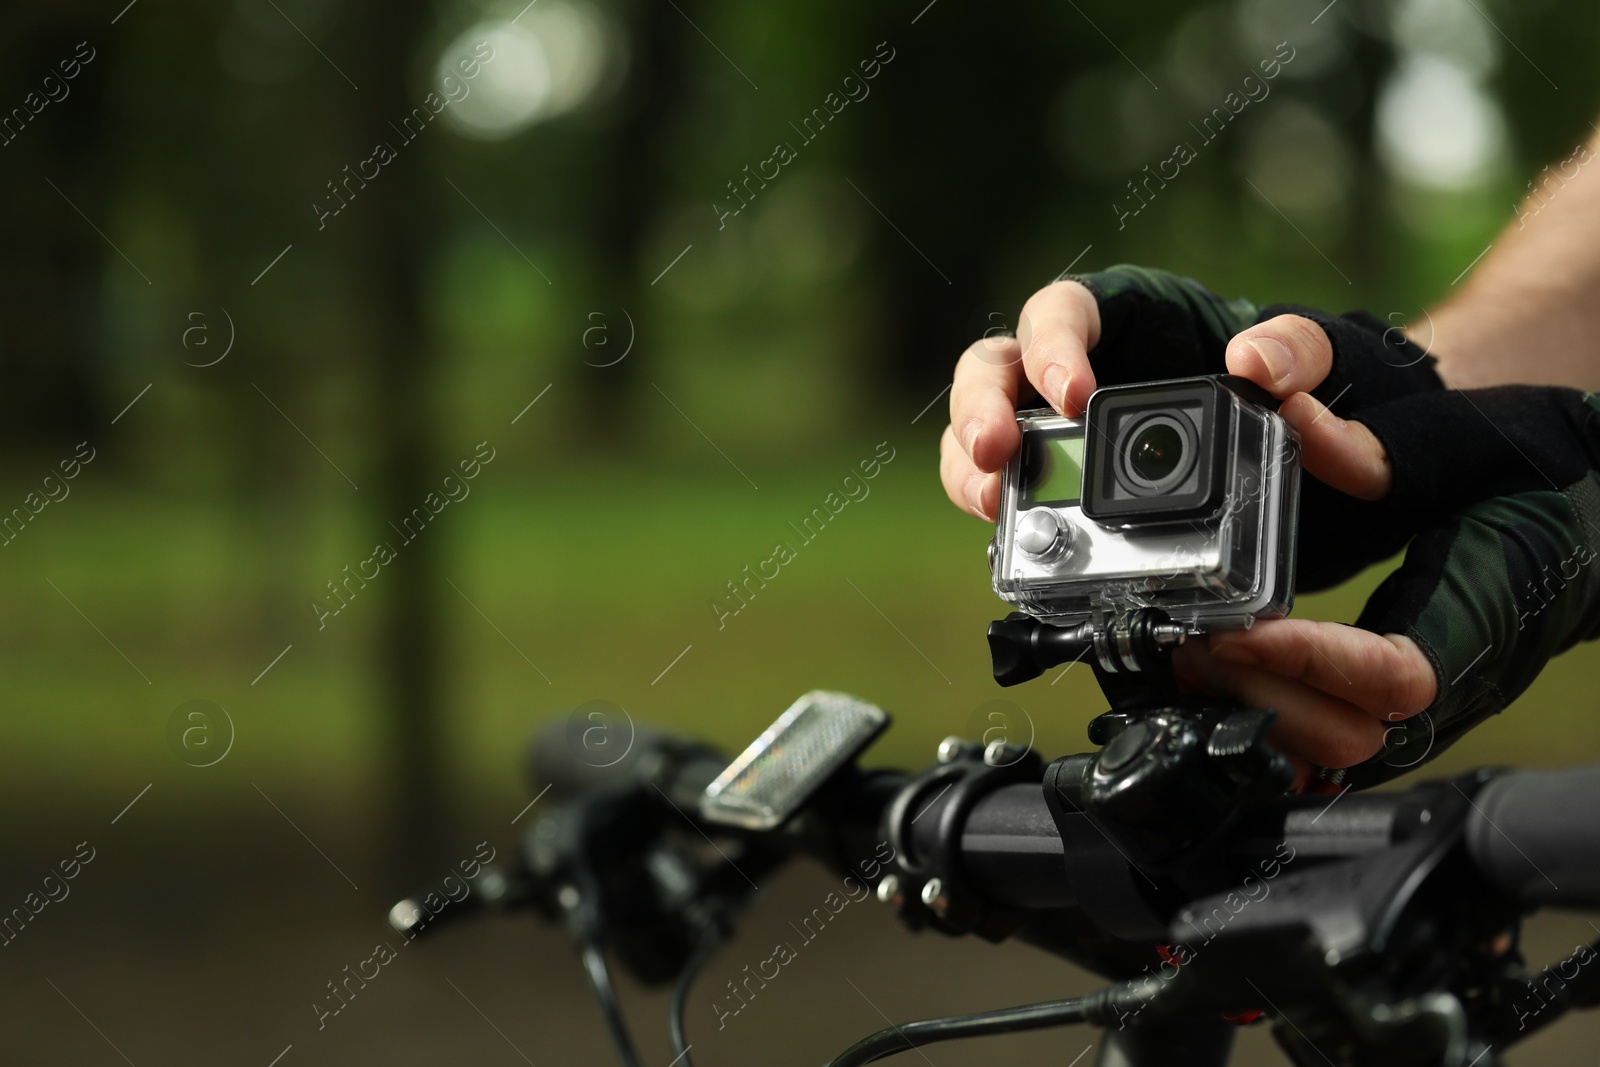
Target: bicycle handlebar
[(1536, 836), (990, 849)]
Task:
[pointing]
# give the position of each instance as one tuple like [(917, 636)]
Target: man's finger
[(1284, 355), (1342, 453), (971, 490), (983, 401), (1058, 326), (1323, 729), (1387, 676)]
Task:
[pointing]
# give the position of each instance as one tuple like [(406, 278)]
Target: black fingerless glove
[(1493, 593), (1156, 325), (1489, 597)]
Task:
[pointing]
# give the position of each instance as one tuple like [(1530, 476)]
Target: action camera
[(1179, 495)]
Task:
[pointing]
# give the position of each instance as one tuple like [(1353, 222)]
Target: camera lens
[(1156, 451), (1155, 454)]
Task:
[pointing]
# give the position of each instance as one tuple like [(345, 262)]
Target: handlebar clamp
[(924, 824)]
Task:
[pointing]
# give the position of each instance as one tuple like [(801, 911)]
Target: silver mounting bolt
[(950, 749), (889, 888), (933, 896), (1168, 634)]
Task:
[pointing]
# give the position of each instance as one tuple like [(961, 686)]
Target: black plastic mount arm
[(1130, 655)]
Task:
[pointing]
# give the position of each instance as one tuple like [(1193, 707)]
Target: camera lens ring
[(1139, 430)]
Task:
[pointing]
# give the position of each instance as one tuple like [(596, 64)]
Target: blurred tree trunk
[(55, 275), (1371, 240), (630, 187), (983, 145), (398, 225)]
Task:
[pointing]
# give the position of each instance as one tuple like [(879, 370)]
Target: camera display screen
[(1052, 469)]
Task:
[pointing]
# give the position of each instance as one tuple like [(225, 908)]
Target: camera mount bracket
[(1174, 770), (1131, 653)]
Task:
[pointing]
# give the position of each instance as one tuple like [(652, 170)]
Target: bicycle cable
[(710, 939), (594, 965), (1098, 1008)]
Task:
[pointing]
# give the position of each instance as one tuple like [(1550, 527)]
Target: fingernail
[(1275, 356), (969, 434), (1319, 409), (974, 494), (1054, 386)]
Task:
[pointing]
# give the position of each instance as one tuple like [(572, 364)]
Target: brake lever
[(494, 888)]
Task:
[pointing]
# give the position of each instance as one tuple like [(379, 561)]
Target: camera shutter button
[(1042, 535)]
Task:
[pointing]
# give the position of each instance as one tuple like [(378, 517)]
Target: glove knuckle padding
[(1489, 597)]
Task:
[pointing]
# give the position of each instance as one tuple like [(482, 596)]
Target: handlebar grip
[(577, 756), (1536, 835)]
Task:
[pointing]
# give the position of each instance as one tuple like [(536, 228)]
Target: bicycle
[(1386, 934)]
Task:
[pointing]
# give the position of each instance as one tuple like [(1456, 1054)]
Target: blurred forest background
[(552, 266)]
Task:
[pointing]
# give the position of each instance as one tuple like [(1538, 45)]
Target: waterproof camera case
[(1178, 495)]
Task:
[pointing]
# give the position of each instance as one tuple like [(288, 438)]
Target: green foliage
[(990, 153)]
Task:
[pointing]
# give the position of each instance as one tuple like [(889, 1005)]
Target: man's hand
[(1339, 690), (1288, 355)]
